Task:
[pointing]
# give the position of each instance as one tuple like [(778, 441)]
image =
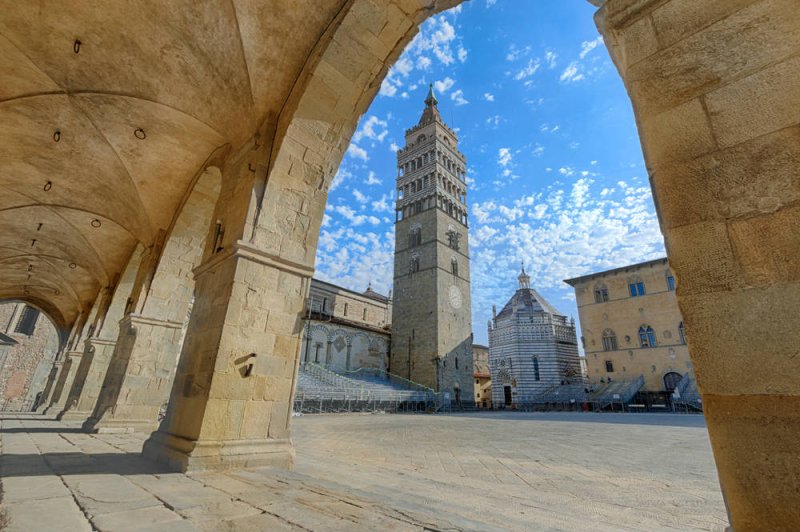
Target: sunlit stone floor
[(486, 471)]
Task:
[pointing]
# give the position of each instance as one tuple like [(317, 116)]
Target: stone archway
[(714, 87)]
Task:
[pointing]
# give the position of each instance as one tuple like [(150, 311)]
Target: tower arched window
[(600, 293), (609, 340), (414, 266), (415, 237), (647, 336), (682, 333)]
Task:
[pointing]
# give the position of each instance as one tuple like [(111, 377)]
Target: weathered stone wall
[(25, 366)]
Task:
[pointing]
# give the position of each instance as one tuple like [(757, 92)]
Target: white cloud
[(404, 66), (490, 3), (341, 176), (423, 62), (443, 86), (588, 46), (382, 205), (493, 121), (462, 53), (504, 157), (361, 198), (394, 147), (356, 152), (550, 58), (488, 96), (529, 70), (372, 179), (572, 73), (538, 150), (547, 128), (387, 88), (373, 128), (458, 97)]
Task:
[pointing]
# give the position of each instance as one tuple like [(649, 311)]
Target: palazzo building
[(631, 325), (532, 347), (432, 311)]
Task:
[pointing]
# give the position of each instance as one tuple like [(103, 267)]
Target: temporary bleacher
[(687, 394), (320, 389), (575, 394)]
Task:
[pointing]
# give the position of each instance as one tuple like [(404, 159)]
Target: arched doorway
[(671, 380)]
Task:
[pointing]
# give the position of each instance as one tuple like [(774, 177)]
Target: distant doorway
[(671, 380), (507, 394)]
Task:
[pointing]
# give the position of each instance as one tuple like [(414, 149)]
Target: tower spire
[(431, 100)]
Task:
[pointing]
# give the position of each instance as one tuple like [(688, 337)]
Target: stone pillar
[(49, 387), (139, 376), (247, 310), (88, 379), (65, 377), (716, 91)]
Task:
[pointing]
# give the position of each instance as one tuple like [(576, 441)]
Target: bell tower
[(432, 312)]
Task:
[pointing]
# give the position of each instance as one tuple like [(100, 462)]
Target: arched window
[(682, 333), (647, 336), (609, 340), (454, 266), (536, 369), (415, 237), (414, 267), (636, 287), (600, 293)]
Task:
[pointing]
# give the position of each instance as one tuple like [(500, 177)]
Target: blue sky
[(555, 170)]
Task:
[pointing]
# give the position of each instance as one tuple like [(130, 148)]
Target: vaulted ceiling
[(108, 111)]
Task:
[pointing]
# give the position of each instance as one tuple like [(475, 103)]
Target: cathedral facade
[(532, 347), (432, 311)]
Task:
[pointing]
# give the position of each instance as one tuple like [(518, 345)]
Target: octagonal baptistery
[(532, 347)]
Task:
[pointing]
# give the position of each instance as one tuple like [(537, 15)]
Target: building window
[(415, 237), (414, 268), (600, 293), (324, 304), (536, 369), (456, 362), (609, 366), (609, 340), (27, 321), (345, 309), (636, 288), (454, 266), (647, 336), (670, 282), (364, 315), (682, 333)]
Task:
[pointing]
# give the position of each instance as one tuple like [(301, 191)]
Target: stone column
[(88, 379), (50, 386), (65, 377), (139, 376), (716, 91), (247, 310)]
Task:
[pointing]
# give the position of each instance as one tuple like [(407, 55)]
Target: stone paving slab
[(495, 472)]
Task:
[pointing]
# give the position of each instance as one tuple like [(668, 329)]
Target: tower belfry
[(432, 312)]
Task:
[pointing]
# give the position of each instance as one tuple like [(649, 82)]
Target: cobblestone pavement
[(380, 472)]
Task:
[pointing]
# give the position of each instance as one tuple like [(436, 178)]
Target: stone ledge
[(185, 455)]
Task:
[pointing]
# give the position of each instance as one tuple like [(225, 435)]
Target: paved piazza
[(487, 471)]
